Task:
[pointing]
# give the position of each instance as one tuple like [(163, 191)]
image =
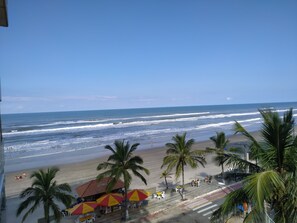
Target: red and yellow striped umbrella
[(83, 208), (137, 195), (111, 199)]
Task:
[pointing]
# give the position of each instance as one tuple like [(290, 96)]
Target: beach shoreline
[(80, 172)]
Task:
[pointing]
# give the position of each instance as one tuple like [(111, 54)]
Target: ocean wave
[(48, 153), (129, 124), (49, 147), (62, 129), (66, 123), (175, 130), (213, 125), (58, 144), (175, 115), (124, 122), (111, 120), (39, 145)]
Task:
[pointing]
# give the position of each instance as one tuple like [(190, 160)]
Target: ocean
[(42, 139)]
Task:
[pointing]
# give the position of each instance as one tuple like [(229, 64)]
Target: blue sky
[(82, 55)]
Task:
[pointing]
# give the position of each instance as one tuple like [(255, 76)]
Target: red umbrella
[(137, 195), (110, 199), (83, 208)]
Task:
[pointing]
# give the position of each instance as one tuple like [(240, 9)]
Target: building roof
[(94, 187), (3, 13)]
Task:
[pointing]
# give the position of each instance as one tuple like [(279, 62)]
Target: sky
[(109, 54)]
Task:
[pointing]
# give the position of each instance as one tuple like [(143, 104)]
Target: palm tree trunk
[(223, 173), (126, 205), (46, 213), (183, 182)]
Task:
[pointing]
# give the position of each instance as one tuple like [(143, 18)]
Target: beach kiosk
[(93, 189)]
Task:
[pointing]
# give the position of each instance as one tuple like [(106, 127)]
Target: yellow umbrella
[(137, 195), (111, 199), (83, 208)]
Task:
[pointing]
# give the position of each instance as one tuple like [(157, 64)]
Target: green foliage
[(120, 165), (165, 174), (46, 191), (260, 187), (180, 154), (223, 154), (273, 189)]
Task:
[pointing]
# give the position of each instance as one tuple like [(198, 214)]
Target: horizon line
[(179, 106)]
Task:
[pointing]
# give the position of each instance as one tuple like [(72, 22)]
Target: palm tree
[(46, 191), (120, 164), (165, 174), (221, 143), (276, 182), (180, 154), (223, 153)]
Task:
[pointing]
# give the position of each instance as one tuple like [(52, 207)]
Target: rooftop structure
[(3, 13), (95, 187)]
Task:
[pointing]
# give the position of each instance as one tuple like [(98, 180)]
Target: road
[(202, 208)]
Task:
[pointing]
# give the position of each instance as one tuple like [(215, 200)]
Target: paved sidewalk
[(179, 211), (162, 210)]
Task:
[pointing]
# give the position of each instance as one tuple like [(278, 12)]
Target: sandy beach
[(77, 173)]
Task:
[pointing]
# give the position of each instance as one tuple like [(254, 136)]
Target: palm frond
[(30, 211), (166, 174), (28, 191), (112, 183), (24, 205), (136, 173), (44, 190), (120, 162), (105, 165), (135, 159), (276, 157), (236, 161), (134, 147), (66, 199), (261, 186), (238, 128), (232, 200), (140, 168), (107, 173), (108, 147)]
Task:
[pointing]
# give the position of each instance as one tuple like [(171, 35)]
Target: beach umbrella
[(137, 195), (111, 199), (83, 208)]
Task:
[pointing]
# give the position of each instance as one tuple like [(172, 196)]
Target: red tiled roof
[(94, 187)]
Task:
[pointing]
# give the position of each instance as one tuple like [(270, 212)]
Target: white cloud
[(228, 98), (32, 99), (23, 99)]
